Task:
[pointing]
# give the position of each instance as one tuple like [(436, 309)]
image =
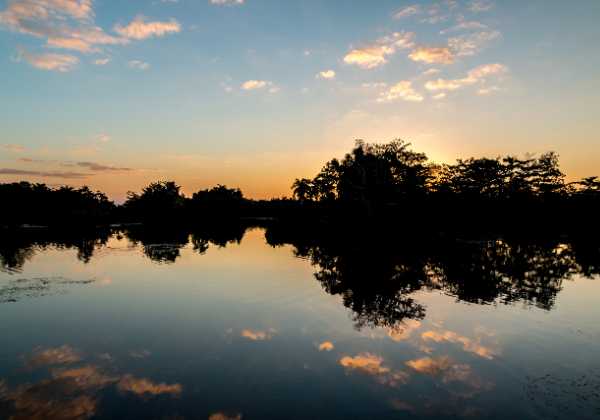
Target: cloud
[(260, 84), (54, 356), (140, 29), (326, 346), (401, 90), (471, 44), (366, 363), (375, 55), (86, 377), (369, 57), (326, 75), (51, 62), (478, 6), (428, 365), (372, 365), (464, 25), (143, 386), (224, 416), (404, 331), (488, 90), (13, 148), (96, 167), (430, 72), (65, 24), (103, 138), (226, 2), (407, 11), (477, 75), (255, 335), (468, 345), (439, 55), (140, 354), (138, 65), (102, 61), (43, 174)]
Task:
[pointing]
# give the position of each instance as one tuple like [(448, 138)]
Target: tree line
[(372, 182)]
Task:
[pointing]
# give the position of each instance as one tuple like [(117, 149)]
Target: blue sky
[(255, 93)]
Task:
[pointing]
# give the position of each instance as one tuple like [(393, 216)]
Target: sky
[(255, 93)]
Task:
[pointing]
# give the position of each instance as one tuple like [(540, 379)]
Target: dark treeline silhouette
[(373, 182), (376, 275)]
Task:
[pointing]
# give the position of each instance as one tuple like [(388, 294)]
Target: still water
[(134, 326)]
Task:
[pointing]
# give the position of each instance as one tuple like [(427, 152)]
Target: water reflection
[(193, 327), (72, 388), (375, 276)]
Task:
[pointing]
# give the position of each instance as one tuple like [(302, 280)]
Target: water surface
[(136, 325)]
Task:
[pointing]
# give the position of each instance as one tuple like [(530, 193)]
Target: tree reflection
[(377, 276), (16, 248)]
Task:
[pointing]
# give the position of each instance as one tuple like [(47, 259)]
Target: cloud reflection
[(54, 356), (257, 335), (223, 416), (326, 346), (469, 345)]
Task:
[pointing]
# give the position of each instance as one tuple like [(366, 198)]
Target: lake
[(246, 324)]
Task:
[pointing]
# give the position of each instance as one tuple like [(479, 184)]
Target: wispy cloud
[(140, 29), (375, 55), (250, 85), (478, 6), (402, 90), (477, 75), (258, 335), (469, 345), (430, 55), (65, 24), (43, 174), (13, 148), (326, 75), (407, 11), (48, 61), (138, 65), (226, 2), (471, 44), (97, 167)]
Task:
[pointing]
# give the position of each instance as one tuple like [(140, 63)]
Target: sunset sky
[(254, 93)]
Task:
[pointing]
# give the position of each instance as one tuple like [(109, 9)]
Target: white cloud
[(478, 6), (375, 55), (430, 72), (326, 75), (429, 55), (51, 62), (140, 29), (65, 24), (401, 90), (471, 44), (226, 2), (465, 25), (488, 90), (259, 85), (138, 65), (407, 11), (255, 84), (477, 75), (102, 61)]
